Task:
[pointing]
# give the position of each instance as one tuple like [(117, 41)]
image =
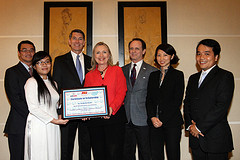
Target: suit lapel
[(85, 64), (128, 67), (23, 70), (209, 76), (167, 76), (141, 73)]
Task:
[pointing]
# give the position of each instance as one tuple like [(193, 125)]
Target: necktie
[(202, 78), (79, 69), (133, 74), (30, 70)]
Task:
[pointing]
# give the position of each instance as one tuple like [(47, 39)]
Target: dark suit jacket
[(15, 79), (135, 100), (65, 73), (168, 97), (208, 106)]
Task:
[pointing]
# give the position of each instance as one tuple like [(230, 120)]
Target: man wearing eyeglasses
[(15, 79)]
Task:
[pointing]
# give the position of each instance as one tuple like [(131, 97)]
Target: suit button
[(160, 112)]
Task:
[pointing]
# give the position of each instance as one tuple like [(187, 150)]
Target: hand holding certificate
[(85, 102)]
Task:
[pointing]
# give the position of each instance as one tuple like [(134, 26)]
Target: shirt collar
[(26, 66), (139, 64), (166, 70), (208, 70), (75, 54)]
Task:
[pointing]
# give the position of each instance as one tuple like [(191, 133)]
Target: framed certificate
[(84, 102)]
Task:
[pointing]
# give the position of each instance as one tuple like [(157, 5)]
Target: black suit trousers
[(16, 146), (68, 133), (107, 141), (170, 136), (136, 135), (199, 154)]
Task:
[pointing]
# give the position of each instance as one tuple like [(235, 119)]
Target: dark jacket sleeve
[(15, 92)]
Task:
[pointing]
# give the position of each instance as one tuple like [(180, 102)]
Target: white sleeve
[(31, 93)]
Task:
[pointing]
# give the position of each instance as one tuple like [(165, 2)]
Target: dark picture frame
[(62, 11), (123, 7)]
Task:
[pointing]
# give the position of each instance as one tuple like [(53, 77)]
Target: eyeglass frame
[(26, 50), (41, 63)]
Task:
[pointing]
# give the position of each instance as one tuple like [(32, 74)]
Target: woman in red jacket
[(107, 133)]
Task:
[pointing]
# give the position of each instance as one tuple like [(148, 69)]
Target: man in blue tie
[(208, 97), (69, 72)]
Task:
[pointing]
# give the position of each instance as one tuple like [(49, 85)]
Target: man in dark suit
[(137, 73), (208, 97), (69, 72), (15, 79)]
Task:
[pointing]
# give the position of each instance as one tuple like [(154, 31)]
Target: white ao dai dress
[(42, 138)]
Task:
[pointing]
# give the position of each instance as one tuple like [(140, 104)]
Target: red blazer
[(115, 82), (116, 90)]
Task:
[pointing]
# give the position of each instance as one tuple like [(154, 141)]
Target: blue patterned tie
[(79, 69)]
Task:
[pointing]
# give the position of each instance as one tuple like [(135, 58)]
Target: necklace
[(101, 72)]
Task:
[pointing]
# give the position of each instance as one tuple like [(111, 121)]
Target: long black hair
[(42, 88)]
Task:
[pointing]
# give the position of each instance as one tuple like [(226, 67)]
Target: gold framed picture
[(145, 20), (60, 18)]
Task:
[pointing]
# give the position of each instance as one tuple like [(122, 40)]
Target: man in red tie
[(137, 73), (15, 79)]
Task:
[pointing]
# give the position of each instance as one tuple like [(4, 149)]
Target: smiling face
[(135, 51), (26, 53), (205, 57), (101, 55), (77, 42), (43, 67), (163, 59)]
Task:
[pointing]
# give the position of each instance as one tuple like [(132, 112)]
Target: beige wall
[(188, 22)]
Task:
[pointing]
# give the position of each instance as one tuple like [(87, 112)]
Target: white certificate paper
[(85, 102)]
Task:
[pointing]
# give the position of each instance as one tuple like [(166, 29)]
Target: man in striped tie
[(137, 73), (15, 79)]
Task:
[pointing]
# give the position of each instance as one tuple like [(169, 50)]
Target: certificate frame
[(85, 102)]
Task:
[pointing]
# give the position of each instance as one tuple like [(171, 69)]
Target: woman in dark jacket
[(164, 99)]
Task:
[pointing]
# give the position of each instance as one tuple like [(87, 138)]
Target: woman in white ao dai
[(42, 136)]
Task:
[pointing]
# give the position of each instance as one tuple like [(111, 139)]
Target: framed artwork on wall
[(145, 20), (60, 18)]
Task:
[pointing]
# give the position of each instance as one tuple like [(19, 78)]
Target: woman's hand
[(156, 122), (59, 121), (110, 113)]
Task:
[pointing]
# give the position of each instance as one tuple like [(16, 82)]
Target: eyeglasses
[(25, 50), (41, 63)]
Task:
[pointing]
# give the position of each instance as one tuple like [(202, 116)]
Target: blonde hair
[(93, 61)]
